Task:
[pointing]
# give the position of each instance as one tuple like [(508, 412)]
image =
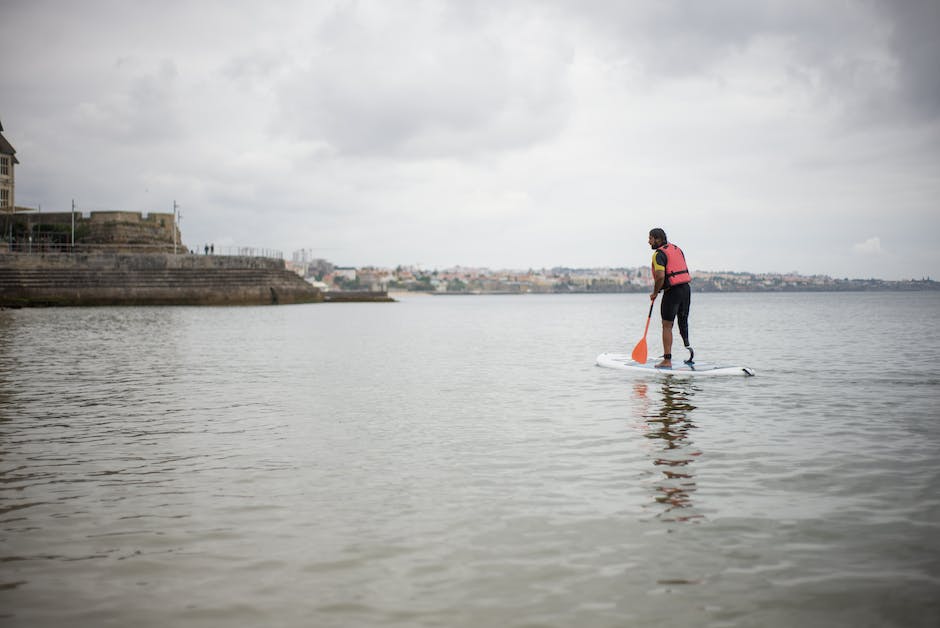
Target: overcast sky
[(762, 136)]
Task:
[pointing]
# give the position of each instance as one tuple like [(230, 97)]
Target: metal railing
[(44, 247), (250, 251)]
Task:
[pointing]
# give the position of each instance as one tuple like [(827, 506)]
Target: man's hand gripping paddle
[(639, 351)]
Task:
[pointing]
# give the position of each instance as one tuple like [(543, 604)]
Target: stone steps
[(83, 284), (139, 277)]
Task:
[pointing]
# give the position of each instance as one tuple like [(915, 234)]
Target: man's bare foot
[(665, 364)]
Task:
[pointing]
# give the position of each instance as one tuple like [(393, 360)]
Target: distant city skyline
[(637, 275), (762, 136), (570, 280)]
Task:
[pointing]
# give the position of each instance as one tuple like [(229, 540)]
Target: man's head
[(657, 238)]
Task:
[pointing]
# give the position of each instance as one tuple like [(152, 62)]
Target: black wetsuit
[(676, 300)]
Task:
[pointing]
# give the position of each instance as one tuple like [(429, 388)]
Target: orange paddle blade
[(639, 351)]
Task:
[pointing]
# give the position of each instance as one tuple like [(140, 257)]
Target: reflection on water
[(665, 411)]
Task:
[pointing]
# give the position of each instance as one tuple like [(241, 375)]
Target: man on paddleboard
[(671, 276)]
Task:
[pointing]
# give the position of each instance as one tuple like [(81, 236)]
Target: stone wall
[(128, 261), (148, 279), (103, 231)]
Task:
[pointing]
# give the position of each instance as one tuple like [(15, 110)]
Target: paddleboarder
[(671, 276)]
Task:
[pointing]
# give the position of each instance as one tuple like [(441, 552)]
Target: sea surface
[(462, 462)]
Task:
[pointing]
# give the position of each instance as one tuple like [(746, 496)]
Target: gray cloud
[(858, 59), (143, 107), (914, 25), (424, 87), (683, 37)]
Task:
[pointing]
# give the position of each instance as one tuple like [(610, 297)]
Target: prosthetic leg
[(684, 332)]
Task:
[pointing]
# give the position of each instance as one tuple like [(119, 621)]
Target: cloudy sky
[(763, 136)]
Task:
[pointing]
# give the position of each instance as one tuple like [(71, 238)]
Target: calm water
[(460, 461)]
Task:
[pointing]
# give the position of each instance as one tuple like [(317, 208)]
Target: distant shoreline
[(905, 287), (463, 281)]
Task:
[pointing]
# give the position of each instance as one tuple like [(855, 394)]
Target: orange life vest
[(677, 272)]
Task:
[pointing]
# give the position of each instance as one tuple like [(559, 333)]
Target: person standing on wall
[(671, 276)]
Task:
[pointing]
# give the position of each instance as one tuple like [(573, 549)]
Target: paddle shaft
[(648, 318), (639, 351)]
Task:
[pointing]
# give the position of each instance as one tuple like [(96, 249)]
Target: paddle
[(639, 351)]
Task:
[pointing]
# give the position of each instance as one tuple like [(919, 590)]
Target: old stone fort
[(123, 258)]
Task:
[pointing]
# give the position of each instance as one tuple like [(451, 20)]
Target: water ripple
[(463, 463)]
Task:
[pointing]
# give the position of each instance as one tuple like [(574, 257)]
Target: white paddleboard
[(624, 362)]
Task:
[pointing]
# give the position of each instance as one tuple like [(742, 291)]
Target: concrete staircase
[(161, 279)]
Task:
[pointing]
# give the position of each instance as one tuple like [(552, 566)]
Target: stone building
[(114, 232), (7, 162)]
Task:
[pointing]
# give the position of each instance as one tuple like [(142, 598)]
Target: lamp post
[(176, 219)]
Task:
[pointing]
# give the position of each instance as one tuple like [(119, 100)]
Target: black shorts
[(676, 301)]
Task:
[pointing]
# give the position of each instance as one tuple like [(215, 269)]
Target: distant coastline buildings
[(561, 280)]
